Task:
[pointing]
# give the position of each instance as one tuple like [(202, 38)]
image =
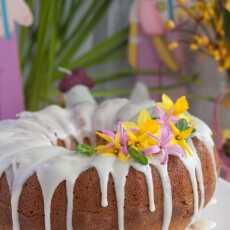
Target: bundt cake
[(121, 164)]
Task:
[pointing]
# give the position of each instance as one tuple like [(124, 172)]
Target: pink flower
[(164, 118), (123, 138), (164, 146), (119, 139)]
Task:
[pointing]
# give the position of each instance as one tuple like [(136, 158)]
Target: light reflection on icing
[(53, 165), (202, 225)]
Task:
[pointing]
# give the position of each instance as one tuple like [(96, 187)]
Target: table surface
[(219, 211)]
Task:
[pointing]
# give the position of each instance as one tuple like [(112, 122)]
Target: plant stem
[(127, 73), (159, 89)]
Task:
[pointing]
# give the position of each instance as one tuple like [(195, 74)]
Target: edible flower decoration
[(159, 133), (116, 143), (164, 146)]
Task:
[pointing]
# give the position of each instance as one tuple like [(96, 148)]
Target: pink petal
[(165, 135), (108, 133), (123, 135), (160, 112), (134, 130), (150, 19), (124, 150), (153, 137), (154, 149)]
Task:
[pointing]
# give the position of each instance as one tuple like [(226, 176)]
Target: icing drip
[(163, 171), (38, 157), (103, 173), (147, 171), (27, 145), (205, 135), (69, 214), (119, 177), (191, 168), (199, 173), (202, 225)]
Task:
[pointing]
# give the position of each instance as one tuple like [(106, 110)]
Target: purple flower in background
[(77, 77), (164, 146)]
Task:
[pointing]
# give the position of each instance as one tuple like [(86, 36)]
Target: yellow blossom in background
[(170, 25), (226, 134), (209, 38), (173, 45), (227, 5), (182, 2)]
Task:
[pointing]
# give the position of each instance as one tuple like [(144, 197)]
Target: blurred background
[(177, 47)]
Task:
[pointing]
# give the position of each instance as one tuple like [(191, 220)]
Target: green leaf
[(80, 38), (85, 149), (117, 41), (182, 125), (193, 131), (226, 18), (138, 156)]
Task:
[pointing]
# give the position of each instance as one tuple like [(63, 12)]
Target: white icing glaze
[(140, 93), (163, 171), (28, 145), (202, 225), (77, 95), (204, 133)]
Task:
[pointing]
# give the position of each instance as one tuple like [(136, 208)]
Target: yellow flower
[(138, 132), (180, 138), (144, 123), (178, 108), (112, 147)]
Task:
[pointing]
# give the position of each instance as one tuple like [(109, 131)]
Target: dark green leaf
[(138, 156), (193, 131), (182, 125), (85, 149), (226, 18)]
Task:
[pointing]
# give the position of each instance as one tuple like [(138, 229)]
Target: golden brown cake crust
[(88, 213)]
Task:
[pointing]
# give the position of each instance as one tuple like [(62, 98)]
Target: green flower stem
[(160, 89), (127, 73), (201, 98), (35, 82)]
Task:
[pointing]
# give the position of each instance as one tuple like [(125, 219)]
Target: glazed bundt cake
[(120, 164)]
